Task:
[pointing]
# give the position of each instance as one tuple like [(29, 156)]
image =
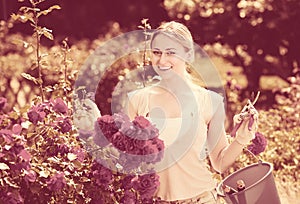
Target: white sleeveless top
[(183, 171)]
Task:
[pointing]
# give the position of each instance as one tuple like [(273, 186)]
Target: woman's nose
[(162, 58)]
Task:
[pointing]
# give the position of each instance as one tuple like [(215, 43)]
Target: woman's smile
[(164, 68)]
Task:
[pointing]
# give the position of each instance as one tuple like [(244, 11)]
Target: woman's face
[(168, 56)]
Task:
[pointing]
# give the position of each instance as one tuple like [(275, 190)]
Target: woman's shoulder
[(141, 92), (203, 92), (207, 99)]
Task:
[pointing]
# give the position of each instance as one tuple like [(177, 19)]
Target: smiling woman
[(190, 119), (167, 55)]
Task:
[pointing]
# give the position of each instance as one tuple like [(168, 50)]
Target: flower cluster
[(126, 154), (57, 107), (3, 102), (259, 144), (37, 151), (135, 142)]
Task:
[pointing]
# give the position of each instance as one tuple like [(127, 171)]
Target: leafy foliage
[(259, 36), (42, 157)]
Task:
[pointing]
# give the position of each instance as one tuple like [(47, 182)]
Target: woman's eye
[(155, 52), (170, 53)]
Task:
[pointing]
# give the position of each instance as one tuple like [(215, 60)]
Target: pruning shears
[(247, 110)]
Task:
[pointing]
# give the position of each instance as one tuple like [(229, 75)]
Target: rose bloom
[(36, 114), (141, 122), (80, 153), (56, 182), (129, 197), (259, 144), (11, 197), (126, 182), (120, 141), (63, 149), (30, 176), (134, 146), (99, 137), (3, 102), (153, 150), (128, 129), (146, 185), (59, 106), (102, 175), (120, 118), (65, 125), (6, 135), (16, 129), (107, 126), (129, 162)]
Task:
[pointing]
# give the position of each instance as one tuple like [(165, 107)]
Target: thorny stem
[(38, 57), (144, 57), (65, 49), (145, 27)]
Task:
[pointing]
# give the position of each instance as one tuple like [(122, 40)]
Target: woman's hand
[(245, 124), (86, 114)]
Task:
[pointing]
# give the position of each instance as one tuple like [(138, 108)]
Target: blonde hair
[(178, 32)]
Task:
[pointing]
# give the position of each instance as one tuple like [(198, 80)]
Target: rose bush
[(43, 159), (39, 152)]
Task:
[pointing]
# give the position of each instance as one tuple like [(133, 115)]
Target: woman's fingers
[(247, 118)]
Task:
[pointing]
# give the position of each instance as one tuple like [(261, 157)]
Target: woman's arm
[(222, 154)]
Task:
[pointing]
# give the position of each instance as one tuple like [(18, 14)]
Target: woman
[(190, 119)]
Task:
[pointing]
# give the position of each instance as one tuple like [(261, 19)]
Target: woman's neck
[(176, 85)]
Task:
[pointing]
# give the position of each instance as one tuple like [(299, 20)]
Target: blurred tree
[(91, 18), (258, 35)]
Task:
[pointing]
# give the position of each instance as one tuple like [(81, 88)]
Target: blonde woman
[(190, 119)]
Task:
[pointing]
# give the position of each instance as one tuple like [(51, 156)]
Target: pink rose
[(120, 118), (259, 144), (126, 182), (36, 114), (129, 162), (63, 149), (103, 176), (99, 137), (57, 182), (16, 129), (65, 125), (141, 122), (120, 141), (6, 135), (107, 126), (25, 155), (30, 176), (153, 150), (128, 129), (146, 185), (79, 152), (59, 106), (12, 197), (129, 197), (137, 146), (3, 102)]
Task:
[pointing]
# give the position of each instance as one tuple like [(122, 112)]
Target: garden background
[(253, 44)]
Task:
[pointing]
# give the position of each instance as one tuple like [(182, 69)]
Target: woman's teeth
[(164, 68)]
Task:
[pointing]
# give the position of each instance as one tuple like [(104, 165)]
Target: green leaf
[(47, 33), (15, 17), (49, 88), (25, 9), (72, 156), (44, 173), (49, 10), (30, 78), (4, 166)]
